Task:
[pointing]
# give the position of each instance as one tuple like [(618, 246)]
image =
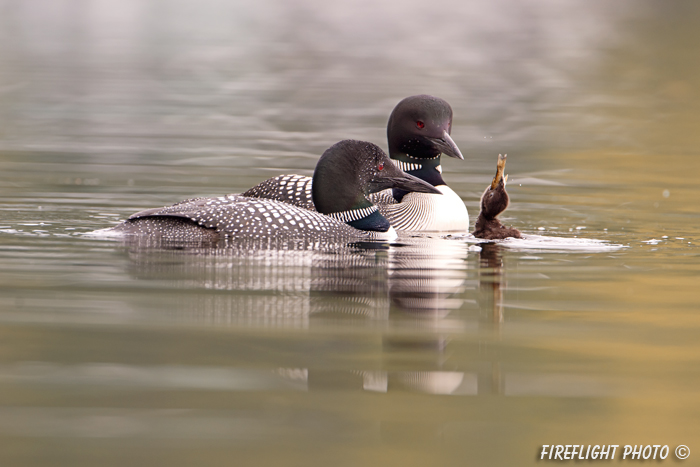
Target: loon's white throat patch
[(353, 214)]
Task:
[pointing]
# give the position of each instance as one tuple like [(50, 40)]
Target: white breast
[(428, 212)]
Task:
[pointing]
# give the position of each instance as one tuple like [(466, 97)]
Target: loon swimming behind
[(345, 174), (494, 201), (418, 132)]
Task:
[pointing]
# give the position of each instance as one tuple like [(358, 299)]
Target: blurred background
[(218, 76), (425, 353)]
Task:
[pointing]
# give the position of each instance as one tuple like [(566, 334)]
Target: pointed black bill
[(393, 177), (447, 146)]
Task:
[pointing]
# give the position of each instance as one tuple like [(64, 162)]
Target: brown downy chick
[(494, 201)]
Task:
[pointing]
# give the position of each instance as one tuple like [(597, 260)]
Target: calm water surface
[(422, 352)]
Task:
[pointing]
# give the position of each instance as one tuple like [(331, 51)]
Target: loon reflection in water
[(419, 276), (345, 174), (432, 283)]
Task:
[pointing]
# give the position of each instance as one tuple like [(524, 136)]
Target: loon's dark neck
[(347, 172), (364, 217), (375, 222), (428, 169)]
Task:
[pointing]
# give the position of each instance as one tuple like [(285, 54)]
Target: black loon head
[(347, 172), (419, 132), (495, 199)]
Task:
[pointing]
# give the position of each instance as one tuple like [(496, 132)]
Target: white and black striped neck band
[(407, 166), (353, 214)]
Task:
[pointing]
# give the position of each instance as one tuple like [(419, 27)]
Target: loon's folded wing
[(238, 215), (290, 189), (181, 209)]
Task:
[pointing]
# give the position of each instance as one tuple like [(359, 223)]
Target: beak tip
[(451, 148)]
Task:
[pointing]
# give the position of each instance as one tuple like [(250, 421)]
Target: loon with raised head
[(494, 201), (345, 174), (418, 132)]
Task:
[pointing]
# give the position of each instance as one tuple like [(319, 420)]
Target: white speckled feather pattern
[(236, 215), (416, 211), (291, 189)]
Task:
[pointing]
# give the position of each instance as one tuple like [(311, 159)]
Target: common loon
[(345, 174), (418, 133), (494, 201)]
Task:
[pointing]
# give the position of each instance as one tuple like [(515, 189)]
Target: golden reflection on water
[(422, 351)]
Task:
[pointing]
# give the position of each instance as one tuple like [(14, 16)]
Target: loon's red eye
[(380, 166), (420, 124)]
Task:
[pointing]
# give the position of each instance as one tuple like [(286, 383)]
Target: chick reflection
[(490, 377), (490, 281)]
